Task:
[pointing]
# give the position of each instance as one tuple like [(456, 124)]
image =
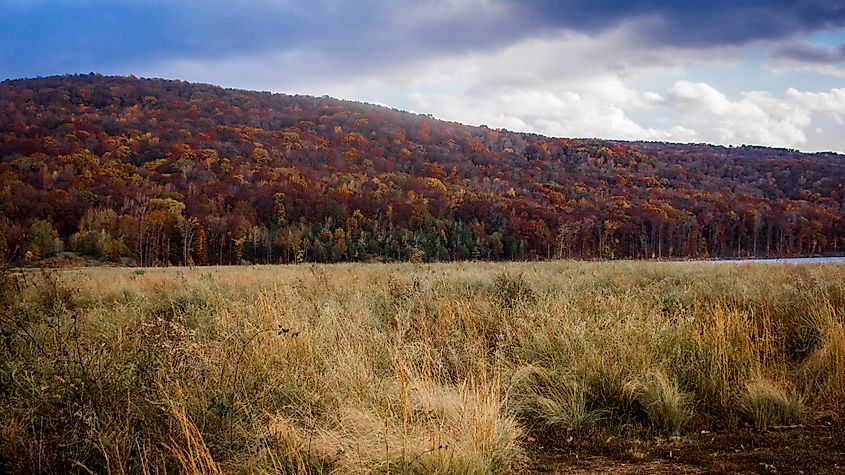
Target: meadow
[(407, 368)]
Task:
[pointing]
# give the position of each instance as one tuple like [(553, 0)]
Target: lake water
[(788, 260)]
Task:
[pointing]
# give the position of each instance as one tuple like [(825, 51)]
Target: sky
[(727, 72)]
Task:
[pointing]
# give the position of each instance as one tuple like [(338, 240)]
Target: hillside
[(157, 172)]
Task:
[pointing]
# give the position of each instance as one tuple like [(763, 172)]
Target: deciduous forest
[(159, 172)]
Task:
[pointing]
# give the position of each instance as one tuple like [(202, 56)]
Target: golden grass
[(401, 368)]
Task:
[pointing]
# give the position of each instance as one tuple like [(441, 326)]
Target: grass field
[(402, 368)]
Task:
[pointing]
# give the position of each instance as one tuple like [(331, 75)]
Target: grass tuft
[(551, 402), (765, 404), (665, 406), (512, 289)]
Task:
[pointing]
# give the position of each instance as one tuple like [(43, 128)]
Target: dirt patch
[(814, 448)]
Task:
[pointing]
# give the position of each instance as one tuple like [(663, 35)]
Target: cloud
[(42, 36), (696, 112), (758, 117), (806, 52), (703, 23), (567, 114), (574, 96), (47, 35), (832, 102), (552, 86)]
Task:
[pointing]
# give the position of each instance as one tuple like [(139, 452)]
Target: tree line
[(157, 172)]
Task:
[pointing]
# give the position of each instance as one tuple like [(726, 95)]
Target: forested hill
[(160, 172)]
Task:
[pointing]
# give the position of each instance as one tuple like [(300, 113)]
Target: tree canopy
[(159, 172)]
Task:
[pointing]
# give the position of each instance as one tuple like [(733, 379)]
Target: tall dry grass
[(444, 368)]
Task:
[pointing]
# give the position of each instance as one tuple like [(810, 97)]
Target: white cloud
[(568, 114), (785, 66), (699, 98), (828, 69), (758, 117), (553, 86), (832, 102)]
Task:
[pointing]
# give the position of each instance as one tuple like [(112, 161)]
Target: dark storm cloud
[(696, 23), (55, 36), (810, 53)]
